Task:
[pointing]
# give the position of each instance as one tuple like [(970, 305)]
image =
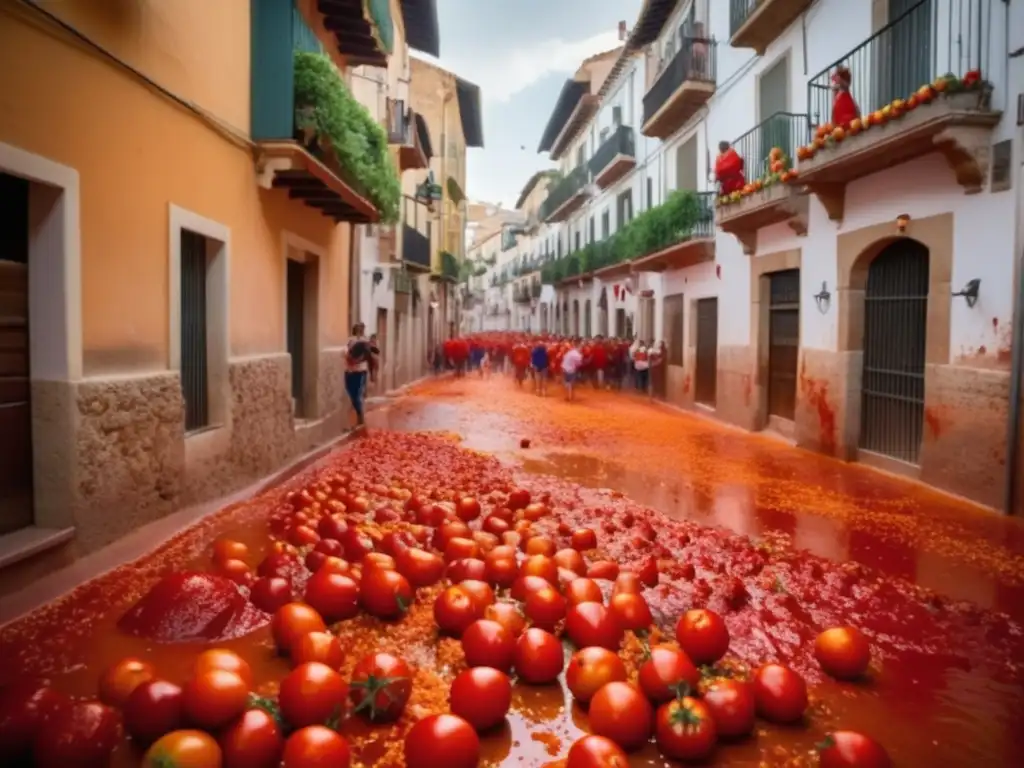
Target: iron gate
[(895, 323), (783, 341), (705, 385)]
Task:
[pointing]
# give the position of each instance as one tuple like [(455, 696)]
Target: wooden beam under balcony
[(958, 126), (363, 31), (686, 253), (758, 23), (771, 205), (288, 166), (613, 271)]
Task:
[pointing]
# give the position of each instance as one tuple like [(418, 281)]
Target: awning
[(455, 193), (468, 95), (421, 27), (424, 135), (568, 98)]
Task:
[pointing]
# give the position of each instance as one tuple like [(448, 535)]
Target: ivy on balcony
[(449, 266), (325, 107)]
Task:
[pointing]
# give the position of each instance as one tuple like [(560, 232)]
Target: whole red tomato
[(583, 590), (442, 740), (541, 566), (454, 610), (684, 729), (221, 658), (496, 525), (702, 635), (318, 646), (481, 696), (487, 643), (539, 656), (518, 499), (194, 749), (120, 679), (292, 621), (541, 545), (316, 746), (620, 712), (508, 615), (479, 591), (26, 707), (603, 569), (667, 674), (214, 698), (590, 669), (570, 560), (584, 539), (83, 733), (594, 751), (849, 749), (270, 593), (253, 741), (732, 707), (385, 594), (524, 585), (467, 509), (381, 686), (466, 568), (332, 527), (631, 611), (589, 624), (780, 693), (545, 607), (843, 652), (627, 583), (333, 596), (153, 709), (278, 564), (501, 571), (312, 693), (421, 568)]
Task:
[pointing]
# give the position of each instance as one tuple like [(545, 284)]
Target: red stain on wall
[(686, 385), (748, 388), (815, 393), (933, 418)]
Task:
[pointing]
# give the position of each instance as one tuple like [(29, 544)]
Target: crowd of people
[(603, 362)]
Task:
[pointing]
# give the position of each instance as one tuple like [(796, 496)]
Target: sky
[(520, 53)]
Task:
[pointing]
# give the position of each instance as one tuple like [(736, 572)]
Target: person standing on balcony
[(729, 169), (844, 108)]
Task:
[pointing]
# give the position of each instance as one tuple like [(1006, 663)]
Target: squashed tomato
[(442, 740), (843, 652), (481, 696), (621, 713), (594, 751), (589, 624), (849, 749), (316, 746), (731, 703), (590, 669), (684, 729), (780, 693), (487, 643), (119, 680), (185, 749), (703, 635), (539, 656), (81, 733), (380, 687), (667, 674), (214, 698), (253, 741)]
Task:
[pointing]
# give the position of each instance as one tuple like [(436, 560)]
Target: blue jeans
[(355, 386)]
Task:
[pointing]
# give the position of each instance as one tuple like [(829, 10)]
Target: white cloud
[(503, 74)]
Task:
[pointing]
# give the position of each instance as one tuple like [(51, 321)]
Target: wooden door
[(15, 406), (295, 316), (706, 384), (783, 342)]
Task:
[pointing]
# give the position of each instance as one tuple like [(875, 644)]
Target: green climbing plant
[(325, 107)]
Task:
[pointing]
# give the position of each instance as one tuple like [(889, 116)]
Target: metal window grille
[(195, 375)]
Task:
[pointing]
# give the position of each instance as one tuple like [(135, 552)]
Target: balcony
[(757, 23), (686, 246), (415, 240), (919, 84), (521, 294), (682, 88), (361, 31), (614, 158), (766, 199), (408, 131), (565, 197)]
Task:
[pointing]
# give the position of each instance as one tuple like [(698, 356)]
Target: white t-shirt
[(572, 361), (641, 358)]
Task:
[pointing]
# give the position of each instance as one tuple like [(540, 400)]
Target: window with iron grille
[(195, 372)]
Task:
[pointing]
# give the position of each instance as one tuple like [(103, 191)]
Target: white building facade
[(858, 291)]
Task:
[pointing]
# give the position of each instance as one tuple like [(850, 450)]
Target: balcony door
[(773, 96), (686, 165), (904, 52)]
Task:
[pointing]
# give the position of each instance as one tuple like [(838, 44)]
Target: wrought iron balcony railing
[(621, 142), (565, 190), (785, 130), (415, 247), (933, 38), (694, 61), (739, 12)]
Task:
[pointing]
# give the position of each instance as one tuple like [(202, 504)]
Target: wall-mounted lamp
[(902, 222), (823, 298), (970, 291)]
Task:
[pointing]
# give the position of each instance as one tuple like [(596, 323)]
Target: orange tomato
[(118, 681), (291, 622), (220, 658), (184, 749), (214, 698), (228, 549), (322, 647)]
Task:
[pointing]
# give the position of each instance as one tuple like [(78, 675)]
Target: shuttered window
[(195, 376), (674, 329)]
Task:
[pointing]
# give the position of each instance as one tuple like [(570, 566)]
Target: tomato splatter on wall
[(815, 393), (748, 388), (686, 385), (933, 419)]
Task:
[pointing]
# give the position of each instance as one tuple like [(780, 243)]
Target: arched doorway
[(895, 332)]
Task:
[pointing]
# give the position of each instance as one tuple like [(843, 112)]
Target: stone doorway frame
[(761, 269), (855, 251)]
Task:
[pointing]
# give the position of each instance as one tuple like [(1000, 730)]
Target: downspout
[(1017, 338)]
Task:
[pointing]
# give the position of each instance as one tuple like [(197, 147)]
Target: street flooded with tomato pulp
[(474, 509)]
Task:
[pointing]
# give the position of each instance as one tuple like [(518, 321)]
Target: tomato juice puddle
[(775, 601)]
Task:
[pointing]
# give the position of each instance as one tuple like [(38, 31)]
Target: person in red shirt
[(520, 361), (599, 361), (729, 169), (844, 108)]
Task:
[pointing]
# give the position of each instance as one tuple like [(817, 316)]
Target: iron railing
[(449, 266), (508, 239), (785, 130), (931, 39), (694, 61), (399, 123), (705, 224), (739, 12), (401, 281), (565, 190), (415, 247), (621, 142)]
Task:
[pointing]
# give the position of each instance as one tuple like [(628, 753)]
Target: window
[(581, 154), (605, 224), (624, 212), (302, 279), (592, 230), (577, 240), (195, 373), (616, 116), (650, 192), (674, 329)]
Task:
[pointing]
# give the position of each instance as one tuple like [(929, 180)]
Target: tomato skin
[(702, 634), (589, 624), (26, 706), (442, 740), (253, 741), (80, 734), (385, 594), (185, 749), (604, 569), (526, 584), (312, 693), (732, 707), (541, 566), (220, 658), (780, 694), (583, 590), (583, 539), (120, 679), (226, 549), (843, 652), (481, 696), (620, 712), (322, 647), (421, 568), (594, 751), (291, 622), (467, 509), (381, 686), (316, 746), (684, 729), (155, 708), (667, 673), (508, 615), (539, 656), (487, 643), (545, 608), (631, 611), (850, 749), (334, 596), (454, 610), (479, 591), (214, 698), (270, 593), (590, 669)]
